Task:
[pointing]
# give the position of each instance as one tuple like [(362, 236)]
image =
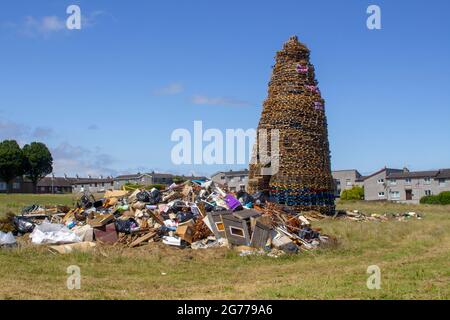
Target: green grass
[(15, 202), (413, 256)]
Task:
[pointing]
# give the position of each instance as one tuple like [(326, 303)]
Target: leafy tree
[(11, 161), (38, 162), (355, 193)]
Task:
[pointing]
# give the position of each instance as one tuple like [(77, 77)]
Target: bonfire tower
[(295, 107)]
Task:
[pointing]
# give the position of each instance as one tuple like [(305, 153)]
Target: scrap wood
[(144, 238), (201, 231)]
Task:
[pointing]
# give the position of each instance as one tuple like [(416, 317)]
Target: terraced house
[(402, 185)]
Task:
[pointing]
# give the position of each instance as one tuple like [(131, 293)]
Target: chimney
[(77, 176), (405, 169), (89, 176)]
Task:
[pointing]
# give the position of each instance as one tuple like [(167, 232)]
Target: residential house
[(92, 185), (143, 179), (19, 185), (234, 180), (346, 179), (55, 185), (375, 185), (410, 187)]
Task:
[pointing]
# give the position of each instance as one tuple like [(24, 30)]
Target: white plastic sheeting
[(53, 233), (7, 238)]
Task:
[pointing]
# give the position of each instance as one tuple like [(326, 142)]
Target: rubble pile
[(356, 215), (194, 214)]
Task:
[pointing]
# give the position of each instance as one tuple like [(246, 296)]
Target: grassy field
[(413, 257)]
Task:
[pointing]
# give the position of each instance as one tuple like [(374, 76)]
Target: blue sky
[(107, 98)]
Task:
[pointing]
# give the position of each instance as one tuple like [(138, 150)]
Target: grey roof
[(91, 180), (232, 173), (130, 176), (56, 182), (388, 172), (412, 174), (140, 175), (443, 174)]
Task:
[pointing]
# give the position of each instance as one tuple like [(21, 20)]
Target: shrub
[(430, 200), (355, 193), (443, 198)]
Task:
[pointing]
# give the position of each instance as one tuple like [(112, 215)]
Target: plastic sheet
[(53, 233), (7, 239)]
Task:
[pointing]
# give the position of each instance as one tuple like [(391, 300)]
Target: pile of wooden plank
[(295, 107)]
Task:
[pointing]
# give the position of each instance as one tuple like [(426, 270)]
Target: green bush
[(430, 200), (443, 198), (355, 193)]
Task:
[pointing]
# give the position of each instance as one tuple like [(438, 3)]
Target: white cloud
[(71, 160), (42, 26), (170, 89), (219, 101), (18, 131), (49, 25)]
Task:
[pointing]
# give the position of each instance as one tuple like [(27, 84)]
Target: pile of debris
[(356, 215), (195, 214)]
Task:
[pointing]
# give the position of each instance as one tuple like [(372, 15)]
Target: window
[(237, 232), (242, 178), (393, 181), (395, 194), (380, 181), (408, 180), (222, 178), (427, 180), (112, 184), (381, 194), (428, 192), (242, 187), (3, 186), (220, 226), (16, 185), (441, 182), (348, 182)]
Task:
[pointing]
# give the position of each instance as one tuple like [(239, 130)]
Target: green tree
[(11, 162), (38, 162)]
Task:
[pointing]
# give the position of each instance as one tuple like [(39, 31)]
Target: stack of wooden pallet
[(295, 107)]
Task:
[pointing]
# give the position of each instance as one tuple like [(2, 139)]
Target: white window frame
[(427, 180), (395, 195), (442, 182), (381, 194), (16, 185), (3, 186), (428, 193), (380, 181), (235, 234), (408, 181), (393, 182)]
